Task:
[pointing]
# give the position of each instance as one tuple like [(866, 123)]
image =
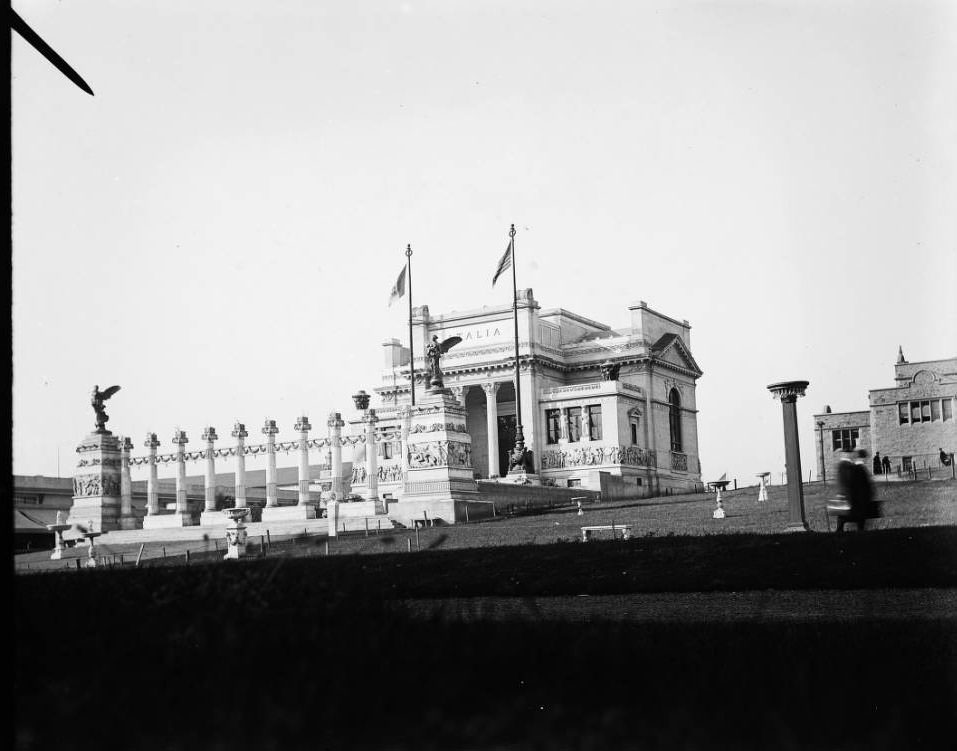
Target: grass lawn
[(308, 650)]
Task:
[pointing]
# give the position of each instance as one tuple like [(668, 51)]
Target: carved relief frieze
[(95, 485), (96, 462), (440, 453), (451, 427), (597, 455)]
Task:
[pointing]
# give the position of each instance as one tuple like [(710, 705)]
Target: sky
[(217, 230)]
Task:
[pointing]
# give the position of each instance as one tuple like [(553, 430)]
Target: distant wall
[(505, 494)]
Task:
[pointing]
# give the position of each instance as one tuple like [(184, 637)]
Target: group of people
[(881, 466)]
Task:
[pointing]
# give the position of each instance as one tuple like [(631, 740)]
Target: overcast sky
[(218, 229)]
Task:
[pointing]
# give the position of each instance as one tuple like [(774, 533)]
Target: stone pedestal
[(439, 461), (96, 483)]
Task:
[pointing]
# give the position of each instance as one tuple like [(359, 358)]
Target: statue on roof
[(96, 401)]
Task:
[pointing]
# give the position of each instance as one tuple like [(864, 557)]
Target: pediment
[(671, 349)]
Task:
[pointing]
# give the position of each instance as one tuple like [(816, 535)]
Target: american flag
[(503, 264)]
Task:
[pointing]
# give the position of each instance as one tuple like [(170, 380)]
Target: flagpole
[(408, 260), (519, 434)]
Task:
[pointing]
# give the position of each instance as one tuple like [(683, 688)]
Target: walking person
[(857, 488), (877, 462), (886, 463)]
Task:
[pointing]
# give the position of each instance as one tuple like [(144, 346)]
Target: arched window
[(674, 419)]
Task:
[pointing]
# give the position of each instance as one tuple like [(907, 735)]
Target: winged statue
[(97, 401), (434, 354)]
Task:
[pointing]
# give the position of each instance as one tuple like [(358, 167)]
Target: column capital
[(239, 431), (179, 438), (458, 391), (335, 420), (302, 424), (126, 444), (269, 428), (361, 400), (151, 441), (370, 418), (209, 435), (491, 389), (788, 391)]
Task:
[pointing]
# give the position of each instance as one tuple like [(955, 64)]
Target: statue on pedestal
[(97, 402), (434, 354)]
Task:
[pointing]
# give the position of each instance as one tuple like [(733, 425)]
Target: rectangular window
[(844, 440), (573, 483), (902, 413), (925, 411), (935, 410), (639, 482), (594, 418), (574, 424), (906, 464), (947, 411), (634, 435), (553, 425), (915, 411)]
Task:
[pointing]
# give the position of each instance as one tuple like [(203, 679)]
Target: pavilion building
[(601, 407)]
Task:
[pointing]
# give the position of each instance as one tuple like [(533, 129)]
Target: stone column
[(209, 435), (152, 496), (372, 470), (335, 424), (239, 433), (127, 520), (210, 515), (180, 440), (272, 495), (303, 426), (788, 392), (491, 421)]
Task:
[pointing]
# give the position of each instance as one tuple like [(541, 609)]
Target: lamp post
[(820, 429)]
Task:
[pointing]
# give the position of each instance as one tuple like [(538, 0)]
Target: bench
[(422, 521), (613, 528)]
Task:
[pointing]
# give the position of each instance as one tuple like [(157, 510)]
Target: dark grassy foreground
[(310, 653)]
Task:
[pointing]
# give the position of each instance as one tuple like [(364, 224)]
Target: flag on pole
[(503, 264), (398, 289)]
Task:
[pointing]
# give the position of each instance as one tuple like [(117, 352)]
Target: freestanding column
[(239, 433), (303, 426), (127, 520), (272, 496), (788, 392), (209, 435), (152, 498), (182, 507), (335, 424), (491, 411), (210, 515), (372, 471)]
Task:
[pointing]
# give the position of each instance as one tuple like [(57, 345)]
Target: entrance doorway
[(506, 442)]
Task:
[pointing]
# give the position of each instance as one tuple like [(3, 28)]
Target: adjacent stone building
[(602, 408), (909, 422)]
